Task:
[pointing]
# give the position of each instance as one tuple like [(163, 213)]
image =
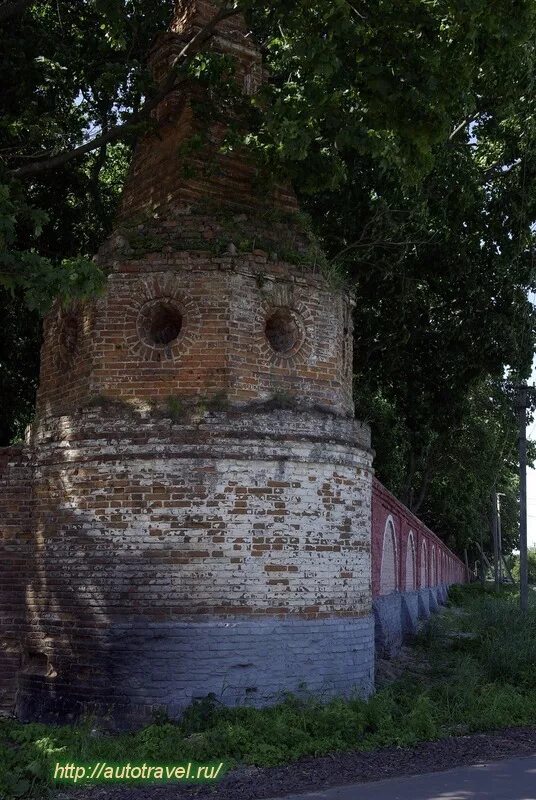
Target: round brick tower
[(202, 491)]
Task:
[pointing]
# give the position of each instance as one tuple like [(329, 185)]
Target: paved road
[(514, 779)]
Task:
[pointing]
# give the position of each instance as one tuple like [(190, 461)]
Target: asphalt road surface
[(513, 779)]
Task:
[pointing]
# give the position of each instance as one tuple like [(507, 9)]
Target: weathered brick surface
[(193, 511), (167, 178), (410, 613), (411, 564), (411, 570), (198, 476), (165, 665), (142, 522), (198, 231), (15, 549), (221, 351), (210, 517), (388, 623), (389, 560), (396, 616)]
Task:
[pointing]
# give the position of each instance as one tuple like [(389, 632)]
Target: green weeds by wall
[(481, 655)]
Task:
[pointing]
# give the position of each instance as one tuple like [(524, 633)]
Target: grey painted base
[(166, 666), (397, 615), (244, 661)]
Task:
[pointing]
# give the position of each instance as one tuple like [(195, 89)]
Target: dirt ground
[(320, 773)]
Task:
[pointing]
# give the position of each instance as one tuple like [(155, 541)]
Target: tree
[(19, 362), (532, 565), (408, 131), (86, 72), (424, 129)]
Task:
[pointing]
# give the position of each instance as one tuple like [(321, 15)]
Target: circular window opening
[(282, 331), (160, 323)]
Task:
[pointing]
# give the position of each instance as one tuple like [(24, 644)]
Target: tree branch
[(372, 243), (414, 506), (463, 124), (354, 9), (118, 131), (8, 10), (499, 169)]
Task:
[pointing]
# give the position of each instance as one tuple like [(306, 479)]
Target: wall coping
[(379, 489)]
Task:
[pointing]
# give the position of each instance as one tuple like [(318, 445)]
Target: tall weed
[(481, 653)]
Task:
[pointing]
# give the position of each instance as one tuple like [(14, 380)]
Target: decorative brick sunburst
[(161, 321), (285, 332)]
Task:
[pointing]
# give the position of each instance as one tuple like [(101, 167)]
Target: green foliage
[(80, 67), (514, 565), (413, 152), (19, 364), (175, 408), (385, 83), (281, 401), (38, 278), (478, 683), (455, 458), (218, 402), (408, 130)]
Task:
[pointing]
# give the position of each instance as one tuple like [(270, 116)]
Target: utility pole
[(521, 406), (495, 536), (484, 562)]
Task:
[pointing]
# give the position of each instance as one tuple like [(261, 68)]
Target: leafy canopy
[(408, 131)]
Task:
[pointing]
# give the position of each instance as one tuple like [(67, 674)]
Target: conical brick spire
[(191, 16), (199, 482), (230, 35), (167, 173)]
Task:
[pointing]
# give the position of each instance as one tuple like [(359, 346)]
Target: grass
[(481, 655)]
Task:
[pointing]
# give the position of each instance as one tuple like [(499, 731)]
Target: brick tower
[(201, 505)]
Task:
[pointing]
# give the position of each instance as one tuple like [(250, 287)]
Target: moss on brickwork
[(176, 408), (207, 227)]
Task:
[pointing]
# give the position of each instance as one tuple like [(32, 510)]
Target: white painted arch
[(411, 564), (389, 567)]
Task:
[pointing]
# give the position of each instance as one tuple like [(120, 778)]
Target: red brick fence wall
[(406, 555), (411, 571)]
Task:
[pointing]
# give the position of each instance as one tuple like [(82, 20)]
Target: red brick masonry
[(192, 512), (408, 553)]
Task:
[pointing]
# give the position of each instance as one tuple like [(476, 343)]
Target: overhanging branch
[(467, 121), (117, 132)]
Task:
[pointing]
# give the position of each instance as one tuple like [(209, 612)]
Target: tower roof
[(192, 15), (215, 288), (182, 164)]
